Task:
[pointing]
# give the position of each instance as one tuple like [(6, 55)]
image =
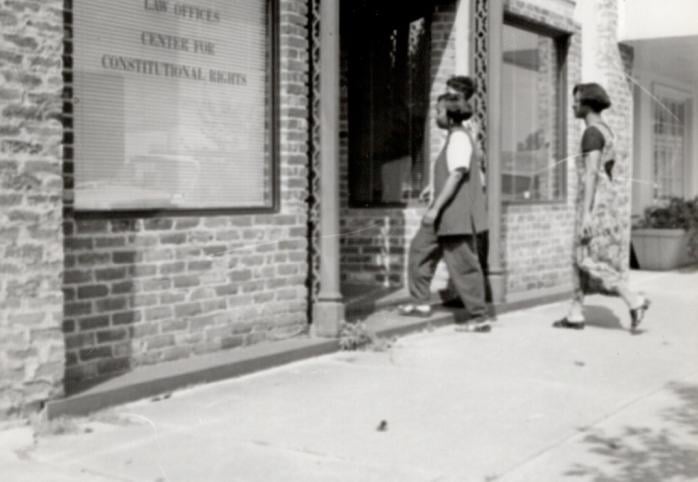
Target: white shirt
[(459, 151)]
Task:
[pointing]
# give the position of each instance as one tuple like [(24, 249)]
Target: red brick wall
[(31, 254), (142, 290)]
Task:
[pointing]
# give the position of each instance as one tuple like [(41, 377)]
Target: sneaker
[(478, 325), (411, 309)]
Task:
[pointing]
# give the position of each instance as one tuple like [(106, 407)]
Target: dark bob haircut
[(463, 84), (457, 110), (593, 96)]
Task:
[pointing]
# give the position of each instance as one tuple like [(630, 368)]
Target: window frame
[(562, 40), (677, 94), (420, 11), (273, 119)]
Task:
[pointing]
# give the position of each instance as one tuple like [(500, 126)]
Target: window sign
[(172, 104)]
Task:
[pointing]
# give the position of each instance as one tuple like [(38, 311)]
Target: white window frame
[(662, 91)]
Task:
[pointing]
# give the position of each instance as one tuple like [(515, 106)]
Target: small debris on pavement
[(383, 426), (164, 396), (580, 363)]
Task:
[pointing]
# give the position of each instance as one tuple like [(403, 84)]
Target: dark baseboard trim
[(150, 381), (154, 380)]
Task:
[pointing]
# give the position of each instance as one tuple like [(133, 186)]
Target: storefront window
[(388, 55), (172, 104), (532, 165)]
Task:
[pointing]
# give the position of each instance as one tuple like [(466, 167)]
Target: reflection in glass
[(530, 76), (669, 143), (388, 102)]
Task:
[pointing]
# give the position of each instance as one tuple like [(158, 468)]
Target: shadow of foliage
[(644, 454)]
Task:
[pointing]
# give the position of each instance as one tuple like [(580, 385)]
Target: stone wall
[(31, 253), (147, 289)]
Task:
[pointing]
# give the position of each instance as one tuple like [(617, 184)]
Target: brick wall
[(537, 238), (31, 254), (376, 240), (142, 290)]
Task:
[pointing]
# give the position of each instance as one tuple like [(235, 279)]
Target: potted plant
[(667, 236)]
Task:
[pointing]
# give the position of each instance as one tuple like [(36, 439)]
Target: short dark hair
[(593, 96), (457, 110), (463, 84)]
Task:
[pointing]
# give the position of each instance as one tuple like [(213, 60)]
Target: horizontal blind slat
[(171, 112)]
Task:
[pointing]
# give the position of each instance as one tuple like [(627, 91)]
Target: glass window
[(531, 129), (172, 105), (670, 121), (388, 94)]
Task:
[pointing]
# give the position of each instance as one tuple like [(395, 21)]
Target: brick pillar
[(609, 63), (31, 240), (464, 32)]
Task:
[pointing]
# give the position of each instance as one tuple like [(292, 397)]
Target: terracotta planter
[(661, 249)]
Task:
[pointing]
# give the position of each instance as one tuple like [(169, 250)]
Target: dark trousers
[(459, 254), (483, 253)]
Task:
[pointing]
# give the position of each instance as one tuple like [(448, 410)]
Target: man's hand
[(430, 217), (426, 195)]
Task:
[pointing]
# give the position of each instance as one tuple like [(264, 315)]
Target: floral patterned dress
[(599, 259)]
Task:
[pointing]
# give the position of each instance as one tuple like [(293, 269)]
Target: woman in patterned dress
[(599, 260)]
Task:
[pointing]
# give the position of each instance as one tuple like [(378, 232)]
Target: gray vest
[(466, 212)]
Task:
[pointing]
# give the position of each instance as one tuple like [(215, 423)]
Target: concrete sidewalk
[(523, 403)]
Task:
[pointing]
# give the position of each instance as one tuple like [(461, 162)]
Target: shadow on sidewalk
[(691, 269), (640, 453), (602, 317)]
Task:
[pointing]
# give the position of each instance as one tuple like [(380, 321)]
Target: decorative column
[(329, 309), (495, 17)]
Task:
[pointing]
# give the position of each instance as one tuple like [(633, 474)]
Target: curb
[(153, 380)]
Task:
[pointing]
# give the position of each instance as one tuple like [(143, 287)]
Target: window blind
[(171, 104)]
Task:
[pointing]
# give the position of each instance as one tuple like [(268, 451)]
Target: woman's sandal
[(572, 325), (637, 314)]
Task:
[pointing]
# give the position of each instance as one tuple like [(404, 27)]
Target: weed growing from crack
[(356, 336)]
